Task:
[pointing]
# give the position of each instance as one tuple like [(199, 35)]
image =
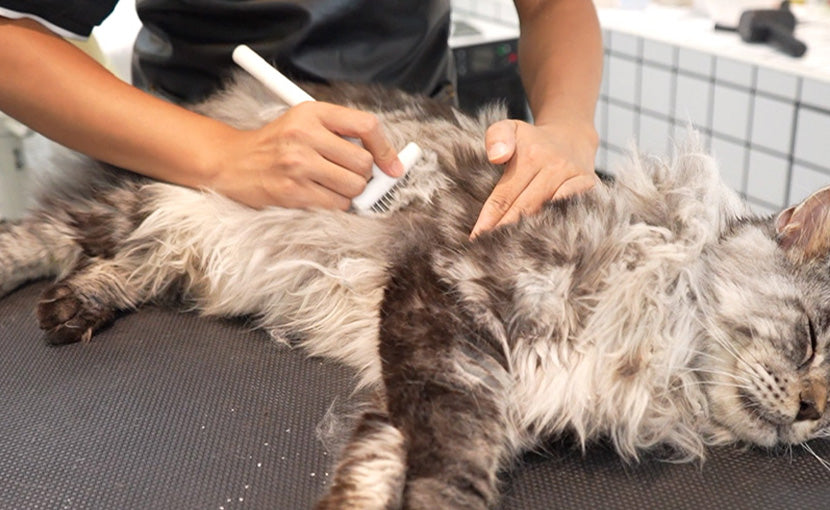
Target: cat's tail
[(34, 248)]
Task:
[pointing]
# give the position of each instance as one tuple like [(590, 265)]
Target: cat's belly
[(312, 277)]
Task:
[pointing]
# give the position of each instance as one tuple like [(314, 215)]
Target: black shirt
[(183, 50), (76, 17)]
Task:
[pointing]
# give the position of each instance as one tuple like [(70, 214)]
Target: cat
[(654, 311)]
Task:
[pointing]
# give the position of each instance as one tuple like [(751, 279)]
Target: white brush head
[(381, 184)]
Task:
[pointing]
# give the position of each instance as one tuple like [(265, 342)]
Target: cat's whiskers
[(694, 384), (703, 354), (732, 351), (824, 462), (823, 433), (730, 375), (726, 384), (700, 382)]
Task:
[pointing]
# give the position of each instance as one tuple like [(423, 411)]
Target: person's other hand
[(541, 162), (300, 160)]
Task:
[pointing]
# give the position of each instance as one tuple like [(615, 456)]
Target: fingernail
[(497, 150), (397, 168), (476, 231)]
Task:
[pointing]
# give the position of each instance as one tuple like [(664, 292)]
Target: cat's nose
[(807, 410), (813, 401)]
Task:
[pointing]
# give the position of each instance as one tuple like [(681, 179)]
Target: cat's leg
[(67, 315), (116, 271), (444, 435), (68, 227), (90, 297), (61, 245), (93, 283), (75, 307), (372, 468), (454, 421), (33, 248), (447, 392)]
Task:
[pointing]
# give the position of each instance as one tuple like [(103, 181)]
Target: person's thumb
[(500, 141)]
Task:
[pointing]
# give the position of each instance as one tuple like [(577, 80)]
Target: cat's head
[(766, 359)]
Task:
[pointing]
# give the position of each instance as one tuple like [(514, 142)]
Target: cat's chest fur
[(594, 304)]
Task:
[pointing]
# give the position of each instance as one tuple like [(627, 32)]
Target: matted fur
[(653, 311)]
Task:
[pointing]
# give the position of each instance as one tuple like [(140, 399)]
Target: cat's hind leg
[(71, 223), (113, 269), (372, 468), (34, 248), (446, 396), (75, 307), (91, 296), (454, 422)]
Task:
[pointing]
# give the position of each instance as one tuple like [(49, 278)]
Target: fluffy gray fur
[(653, 311)]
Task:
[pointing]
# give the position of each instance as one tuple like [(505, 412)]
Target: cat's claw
[(65, 318)]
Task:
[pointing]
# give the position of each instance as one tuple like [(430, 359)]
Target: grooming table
[(168, 410)]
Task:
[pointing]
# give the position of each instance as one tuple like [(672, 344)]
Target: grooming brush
[(377, 195)]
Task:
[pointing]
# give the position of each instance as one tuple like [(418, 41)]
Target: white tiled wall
[(811, 137), (768, 129)]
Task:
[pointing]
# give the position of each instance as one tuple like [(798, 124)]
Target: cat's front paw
[(67, 318)]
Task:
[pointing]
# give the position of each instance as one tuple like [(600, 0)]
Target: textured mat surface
[(167, 410)]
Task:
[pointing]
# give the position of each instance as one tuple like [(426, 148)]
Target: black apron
[(184, 49)]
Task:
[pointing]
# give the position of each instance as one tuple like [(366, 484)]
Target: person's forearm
[(560, 57), (58, 91)]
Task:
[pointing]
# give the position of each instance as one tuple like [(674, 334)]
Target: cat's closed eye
[(810, 347)]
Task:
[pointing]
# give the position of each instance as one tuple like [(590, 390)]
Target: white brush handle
[(288, 91), (268, 75)]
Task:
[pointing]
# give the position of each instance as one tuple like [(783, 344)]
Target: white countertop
[(685, 28)]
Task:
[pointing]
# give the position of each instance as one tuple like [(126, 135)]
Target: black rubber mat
[(162, 410), (169, 410)]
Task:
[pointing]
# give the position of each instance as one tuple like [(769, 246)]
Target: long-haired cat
[(653, 311)]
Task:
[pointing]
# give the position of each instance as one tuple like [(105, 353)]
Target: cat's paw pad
[(67, 318)]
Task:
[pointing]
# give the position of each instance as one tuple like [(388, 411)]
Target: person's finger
[(539, 191), (528, 201), (346, 154), (302, 128), (334, 177), (320, 197), (509, 187), (308, 194), (366, 127), (576, 185), (500, 141)]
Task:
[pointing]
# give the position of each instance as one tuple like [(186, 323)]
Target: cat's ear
[(804, 230)]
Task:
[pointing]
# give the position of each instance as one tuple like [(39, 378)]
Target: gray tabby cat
[(654, 311)]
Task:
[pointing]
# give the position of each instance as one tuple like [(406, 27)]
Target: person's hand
[(300, 160), (542, 162)]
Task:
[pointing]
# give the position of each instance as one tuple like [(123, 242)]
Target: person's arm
[(560, 60), (295, 161)]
